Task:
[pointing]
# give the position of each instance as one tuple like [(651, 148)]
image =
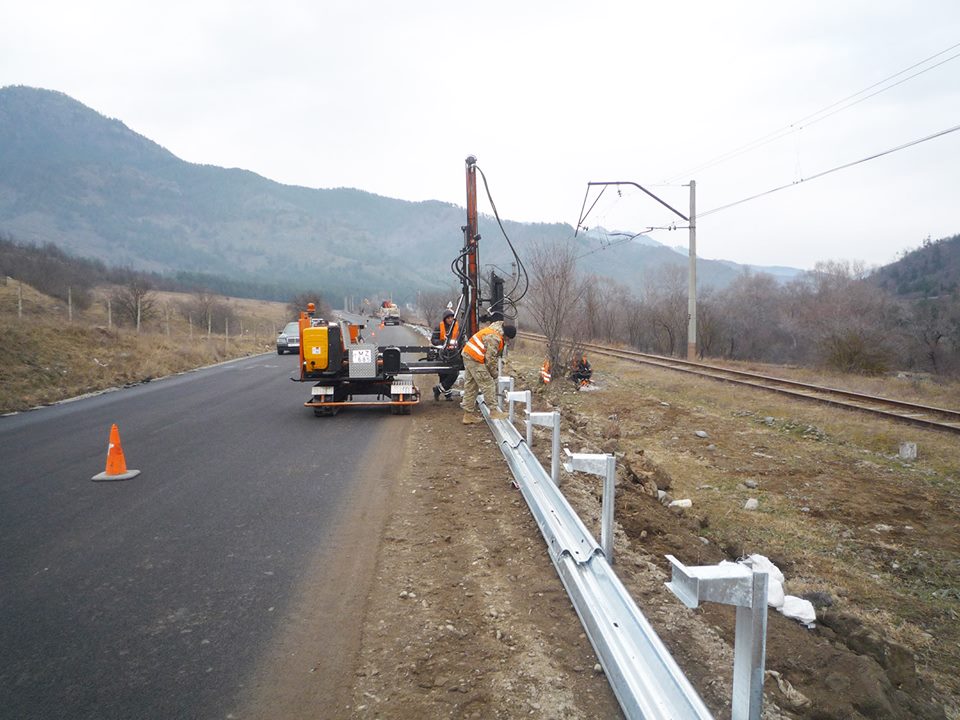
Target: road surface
[(228, 579)]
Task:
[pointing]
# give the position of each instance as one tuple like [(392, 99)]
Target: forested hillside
[(92, 186), (932, 270)]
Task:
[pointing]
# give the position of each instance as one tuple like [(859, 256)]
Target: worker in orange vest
[(581, 371), (446, 335), (449, 327), (480, 355)]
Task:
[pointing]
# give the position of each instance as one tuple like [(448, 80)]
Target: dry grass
[(921, 388), (839, 511), (45, 357)]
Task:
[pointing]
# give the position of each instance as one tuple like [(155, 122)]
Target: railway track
[(922, 415)]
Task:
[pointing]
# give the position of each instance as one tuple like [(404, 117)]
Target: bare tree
[(554, 298), (931, 334), (848, 321), (605, 307), (298, 304), (711, 324), (212, 313), (431, 303), (134, 303), (664, 300), (751, 310)]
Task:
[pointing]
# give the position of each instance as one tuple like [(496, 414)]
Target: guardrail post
[(606, 510), (738, 585), (548, 419), (522, 396), (606, 467), (503, 383)]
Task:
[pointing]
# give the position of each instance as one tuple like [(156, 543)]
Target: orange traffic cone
[(116, 464)]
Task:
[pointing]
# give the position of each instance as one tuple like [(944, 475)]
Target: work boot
[(498, 414), (436, 393), (448, 395), (470, 418)]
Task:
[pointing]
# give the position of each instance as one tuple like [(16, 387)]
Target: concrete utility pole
[(69, 303), (692, 288)]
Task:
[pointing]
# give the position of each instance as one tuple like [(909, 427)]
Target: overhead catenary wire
[(822, 113), (904, 146), (627, 237)]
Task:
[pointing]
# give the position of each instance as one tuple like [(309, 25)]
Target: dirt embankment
[(470, 620), (47, 356)]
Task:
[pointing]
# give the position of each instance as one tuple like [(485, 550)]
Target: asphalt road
[(157, 597)]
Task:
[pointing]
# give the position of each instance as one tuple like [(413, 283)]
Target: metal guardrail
[(642, 673), (644, 676)]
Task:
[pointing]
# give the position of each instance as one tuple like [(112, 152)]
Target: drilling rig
[(348, 371)]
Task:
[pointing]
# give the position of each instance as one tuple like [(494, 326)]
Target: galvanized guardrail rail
[(645, 678)]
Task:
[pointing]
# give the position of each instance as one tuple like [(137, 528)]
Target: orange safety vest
[(475, 349), (454, 332)]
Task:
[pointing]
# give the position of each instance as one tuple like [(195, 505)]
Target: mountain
[(95, 188), (930, 271)]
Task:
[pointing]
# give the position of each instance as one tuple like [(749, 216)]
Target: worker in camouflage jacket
[(480, 355)]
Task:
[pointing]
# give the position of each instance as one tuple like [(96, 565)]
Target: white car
[(289, 338)]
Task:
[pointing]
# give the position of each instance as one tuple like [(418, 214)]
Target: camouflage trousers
[(476, 380)]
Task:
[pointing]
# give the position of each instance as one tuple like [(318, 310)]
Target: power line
[(832, 170), (888, 87), (793, 126)]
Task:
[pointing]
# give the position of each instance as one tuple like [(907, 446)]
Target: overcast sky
[(390, 97)]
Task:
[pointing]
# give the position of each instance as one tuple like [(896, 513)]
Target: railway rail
[(913, 413)]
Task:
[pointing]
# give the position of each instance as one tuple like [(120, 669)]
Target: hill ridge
[(98, 189)]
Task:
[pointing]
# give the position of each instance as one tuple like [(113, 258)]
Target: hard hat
[(447, 313)]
